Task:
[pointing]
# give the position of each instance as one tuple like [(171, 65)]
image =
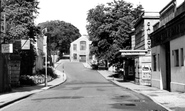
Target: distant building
[(80, 49), (139, 57), (168, 45)]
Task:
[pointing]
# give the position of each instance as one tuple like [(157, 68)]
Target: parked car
[(94, 64)]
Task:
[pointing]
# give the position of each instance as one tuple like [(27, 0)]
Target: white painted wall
[(78, 51), (177, 73), (159, 76)]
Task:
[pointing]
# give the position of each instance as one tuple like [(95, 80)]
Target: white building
[(168, 44), (80, 49)]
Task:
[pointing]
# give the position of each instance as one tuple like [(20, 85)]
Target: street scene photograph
[(92, 55)]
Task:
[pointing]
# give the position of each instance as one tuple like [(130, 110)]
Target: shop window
[(182, 57), (154, 62), (176, 58), (74, 47), (82, 45)]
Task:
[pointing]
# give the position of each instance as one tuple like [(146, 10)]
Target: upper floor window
[(74, 47), (82, 45)]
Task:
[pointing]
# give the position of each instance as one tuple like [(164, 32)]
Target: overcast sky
[(75, 11)]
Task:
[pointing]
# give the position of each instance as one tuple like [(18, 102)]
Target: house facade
[(168, 45), (80, 50), (140, 53)]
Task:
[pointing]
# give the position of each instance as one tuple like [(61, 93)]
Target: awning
[(133, 52)]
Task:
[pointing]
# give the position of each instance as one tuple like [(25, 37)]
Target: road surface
[(85, 90)]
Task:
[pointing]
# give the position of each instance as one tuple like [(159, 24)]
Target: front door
[(168, 66), (82, 58)]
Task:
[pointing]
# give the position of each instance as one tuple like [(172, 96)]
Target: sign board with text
[(7, 48)]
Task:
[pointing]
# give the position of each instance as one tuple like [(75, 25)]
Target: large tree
[(109, 27), (19, 17), (60, 34)]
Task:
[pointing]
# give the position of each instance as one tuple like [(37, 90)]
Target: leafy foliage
[(109, 27), (19, 16), (60, 34)]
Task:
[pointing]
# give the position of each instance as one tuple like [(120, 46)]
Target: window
[(154, 62), (75, 56), (176, 57), (74, 47), (82, 45), (158, 62), (182, 57)]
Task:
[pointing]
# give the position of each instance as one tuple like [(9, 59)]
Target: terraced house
[(168, 45)]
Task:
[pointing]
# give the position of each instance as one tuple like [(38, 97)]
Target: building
[(80, 49), (168, 38), (140, 54)]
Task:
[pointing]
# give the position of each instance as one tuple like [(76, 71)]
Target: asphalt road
[(85, 90)]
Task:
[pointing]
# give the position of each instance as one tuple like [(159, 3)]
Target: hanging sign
[(7, 48)]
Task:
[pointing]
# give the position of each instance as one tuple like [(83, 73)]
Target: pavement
[(172, 101), (26, 91)]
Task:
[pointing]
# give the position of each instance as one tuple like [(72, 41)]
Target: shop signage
[(133, 52)]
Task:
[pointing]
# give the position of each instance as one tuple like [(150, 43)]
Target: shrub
[(38, 78)]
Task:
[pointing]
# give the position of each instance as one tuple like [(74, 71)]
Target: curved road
[(85, 90)]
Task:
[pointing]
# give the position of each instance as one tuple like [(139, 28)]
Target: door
[(82, 58), (168, 66)]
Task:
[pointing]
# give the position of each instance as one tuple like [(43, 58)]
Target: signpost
[(45, 50), (25, 44)]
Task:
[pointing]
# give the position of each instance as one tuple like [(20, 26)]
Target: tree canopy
[(19, 18), (20, 15), (60, 34), (109, 27)]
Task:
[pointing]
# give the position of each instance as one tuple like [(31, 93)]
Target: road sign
[(25, 44)]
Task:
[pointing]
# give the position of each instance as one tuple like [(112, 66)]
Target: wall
[(1, 74), (177, 72), (159, 76)]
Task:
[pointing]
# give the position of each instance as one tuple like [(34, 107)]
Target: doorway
[(168, 66)]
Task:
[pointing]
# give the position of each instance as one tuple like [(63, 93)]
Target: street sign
[(7, 48), (25, 44)]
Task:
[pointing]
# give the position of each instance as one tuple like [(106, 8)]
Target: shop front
[(138, 66)]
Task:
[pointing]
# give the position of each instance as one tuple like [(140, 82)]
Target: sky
[(75, 11)]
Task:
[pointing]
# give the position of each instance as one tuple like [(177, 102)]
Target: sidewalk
[(23, 92), (172, 101)]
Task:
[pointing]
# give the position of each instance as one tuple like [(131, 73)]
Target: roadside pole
[(45, 46)]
